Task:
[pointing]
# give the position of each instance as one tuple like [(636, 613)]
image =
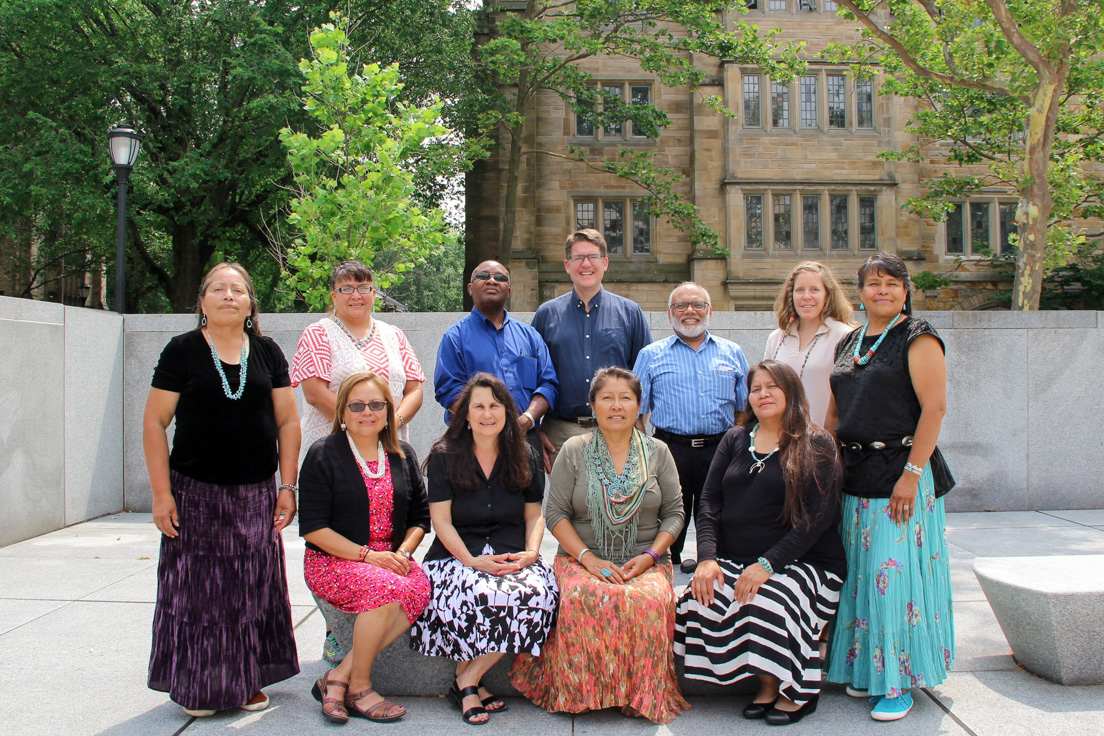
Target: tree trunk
[(189, 261), (513, 173), (1036, 200)]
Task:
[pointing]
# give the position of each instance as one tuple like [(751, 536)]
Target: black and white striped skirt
[(776, 633), (472, 613)]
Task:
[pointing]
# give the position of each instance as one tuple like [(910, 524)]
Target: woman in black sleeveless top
[(895, 627)]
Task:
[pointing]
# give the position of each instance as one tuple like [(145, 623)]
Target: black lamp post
[(124, 144), (84, 290)]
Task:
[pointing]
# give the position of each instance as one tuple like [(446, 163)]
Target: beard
[(689, 331)]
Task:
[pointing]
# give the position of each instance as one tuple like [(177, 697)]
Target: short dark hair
[(604, 375), (253, 315), (588, 235), (350, 270), (889, 264)]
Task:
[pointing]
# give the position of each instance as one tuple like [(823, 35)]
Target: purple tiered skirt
[(222, 625)]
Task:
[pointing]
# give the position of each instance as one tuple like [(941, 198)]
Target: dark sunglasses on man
[(487, 276)]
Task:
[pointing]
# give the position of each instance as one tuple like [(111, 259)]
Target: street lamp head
[(124, 144)]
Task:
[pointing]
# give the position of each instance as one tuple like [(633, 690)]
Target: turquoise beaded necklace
[(233, 396), (873, 348)]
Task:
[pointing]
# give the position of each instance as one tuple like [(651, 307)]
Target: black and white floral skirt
[(472, 613)]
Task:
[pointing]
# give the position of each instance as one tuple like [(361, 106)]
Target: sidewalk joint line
[(296, 627), (182, 729), (946, 710)]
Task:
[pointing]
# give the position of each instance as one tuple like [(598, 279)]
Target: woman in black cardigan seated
[(363, 510), (771, 560)]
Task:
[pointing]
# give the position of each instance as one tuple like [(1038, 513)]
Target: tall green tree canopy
[(1014, 85)]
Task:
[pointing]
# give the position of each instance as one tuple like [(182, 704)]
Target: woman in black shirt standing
[(492, 594), (222, 624), (771, 561)]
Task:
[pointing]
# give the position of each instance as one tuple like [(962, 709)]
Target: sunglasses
[(358, 406), (487, 276), (362, 289)]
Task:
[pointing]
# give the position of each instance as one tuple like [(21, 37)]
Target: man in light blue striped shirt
[(693, 386)]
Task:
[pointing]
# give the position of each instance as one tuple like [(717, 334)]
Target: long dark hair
[(888, 264), (457, 441), (798, 454)]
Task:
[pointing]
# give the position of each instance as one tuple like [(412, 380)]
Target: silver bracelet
[(532, 421), (582, 552), (914, 468), (289, 487)]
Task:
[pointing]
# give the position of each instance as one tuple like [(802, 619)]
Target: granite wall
[(1021, 428)]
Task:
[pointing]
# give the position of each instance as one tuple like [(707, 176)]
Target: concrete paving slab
[(141, 587), (1088, 517), (1030, 541), (964, 584), (16, 613), (1020, 704), (91, 542), (1003, 520), (979, 643), (63, 579)]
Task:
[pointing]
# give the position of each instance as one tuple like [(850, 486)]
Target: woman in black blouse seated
[(363, 512), (492, 594), (772, 563)]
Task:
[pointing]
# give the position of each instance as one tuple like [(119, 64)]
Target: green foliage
[(354, 188), (437, 285), (927, 280)]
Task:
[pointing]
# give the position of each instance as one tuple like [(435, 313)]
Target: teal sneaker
[(331, 650), (892, 709)]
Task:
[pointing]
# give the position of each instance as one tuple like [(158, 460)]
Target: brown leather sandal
[(333, 709), (382, 712)]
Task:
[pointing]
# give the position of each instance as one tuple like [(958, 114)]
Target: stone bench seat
[(1050, 611), (401, 670)]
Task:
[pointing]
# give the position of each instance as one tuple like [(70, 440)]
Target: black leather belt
[(681, 439), (859, 447), (581, 421)]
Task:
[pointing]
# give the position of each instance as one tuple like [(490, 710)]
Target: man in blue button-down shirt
[(693, 385), (488, 340), (586, 329)]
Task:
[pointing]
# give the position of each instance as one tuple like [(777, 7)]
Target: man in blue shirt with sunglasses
[(489, 340), (586, 329)]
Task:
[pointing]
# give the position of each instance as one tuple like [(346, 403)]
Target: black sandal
[(456, 696), (494, 700)]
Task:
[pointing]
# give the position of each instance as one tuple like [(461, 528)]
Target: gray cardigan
[(661, 510)]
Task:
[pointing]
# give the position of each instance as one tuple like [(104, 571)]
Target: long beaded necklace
[(358, 344), (381, 463), (873, 348), (808, 352), (760, 462), (233, 396), (621, 499)]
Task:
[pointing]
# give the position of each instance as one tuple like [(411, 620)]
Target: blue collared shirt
[(514, 352), (581, 342), (692, 392)]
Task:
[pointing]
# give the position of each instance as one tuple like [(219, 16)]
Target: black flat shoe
[(755, 711), (778, 717)]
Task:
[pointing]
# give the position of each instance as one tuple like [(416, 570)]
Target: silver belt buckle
[(907, 441), (877, 445), (697, 442)]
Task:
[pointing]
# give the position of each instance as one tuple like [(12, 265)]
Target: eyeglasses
[(362, 289), (592, 257), (683, 306), (501, 278), (357, 407)]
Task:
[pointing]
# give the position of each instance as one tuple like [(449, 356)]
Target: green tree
[(542, 47), (354, 188), (436, 285), (1015, 86)]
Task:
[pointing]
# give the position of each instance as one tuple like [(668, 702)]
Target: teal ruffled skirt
[(895, 626)]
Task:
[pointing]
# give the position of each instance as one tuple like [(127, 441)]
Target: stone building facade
[(793, 174)]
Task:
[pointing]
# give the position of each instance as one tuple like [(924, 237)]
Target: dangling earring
[(792, 320), (593, 415), (469, 425), (385, 425), (249, 323), (343, 426), (862, 307), (203, 322)]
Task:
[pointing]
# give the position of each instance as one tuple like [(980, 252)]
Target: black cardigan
[(332, 493)]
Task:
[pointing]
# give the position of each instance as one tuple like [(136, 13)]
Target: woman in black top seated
[(771, 561), (363, 512), (492, 594)]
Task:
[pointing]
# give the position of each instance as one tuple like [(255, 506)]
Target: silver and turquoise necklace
[(233, 396), (873, 348), (358, 344), (759, 462)]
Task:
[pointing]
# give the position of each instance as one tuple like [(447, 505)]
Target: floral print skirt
[(895, 626), (612, 647)]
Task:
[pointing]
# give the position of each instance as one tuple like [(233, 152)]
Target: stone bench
[(404, 671), (1050, 611)]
